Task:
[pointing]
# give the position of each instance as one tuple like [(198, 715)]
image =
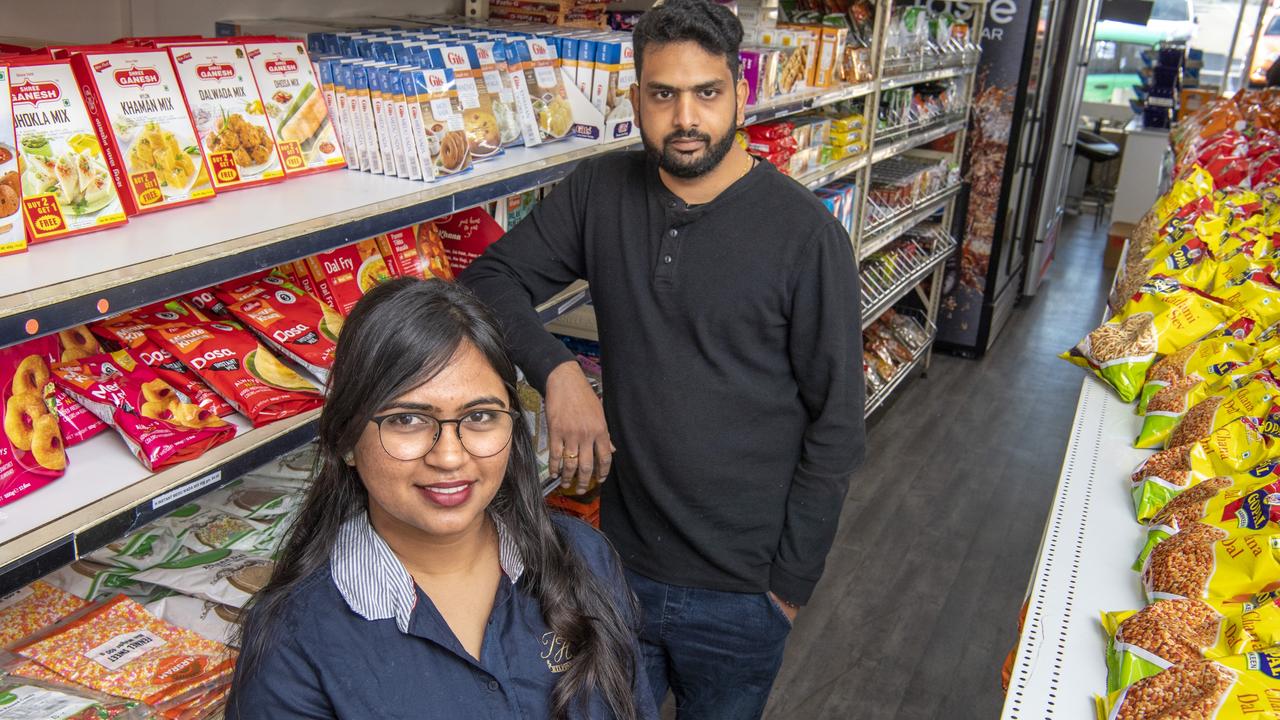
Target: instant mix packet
[(222, 576), (146, 130), (13, 232), (118, 648), (345, 274), (230, 116), (442, 144), (294, 99), (239, 368), (479, 117), (542, 104), (291, 322), (66, 184), (160, 425)]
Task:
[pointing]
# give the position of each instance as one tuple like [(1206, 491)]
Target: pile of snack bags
[(1193, 338), (178, 378), (147, 626)]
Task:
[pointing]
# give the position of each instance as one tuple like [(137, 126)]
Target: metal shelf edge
[(923, 76), (913, 140), (876, 401)]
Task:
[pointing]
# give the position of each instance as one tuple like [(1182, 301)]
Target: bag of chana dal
[(1256, 397), (1240, 505), (1178, 381), (118, 648), (1207, 563), (1233, 449), (1164, 317), (1144, 643), (1237, 687)]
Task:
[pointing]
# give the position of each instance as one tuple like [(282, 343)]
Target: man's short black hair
[(714, 27)]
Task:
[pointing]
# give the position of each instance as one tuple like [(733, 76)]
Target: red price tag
[(224, 168), (146, 187), (292, 154), (44, 215)]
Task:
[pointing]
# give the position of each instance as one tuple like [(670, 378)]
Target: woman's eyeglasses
[(412, 435)]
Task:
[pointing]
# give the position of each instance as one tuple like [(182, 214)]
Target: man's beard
[(674, 162)]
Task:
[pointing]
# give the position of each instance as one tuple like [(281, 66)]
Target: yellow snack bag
[(1248, 503), (1181, 253), (1254, 398), (1233, 449), (1164, 317), (1237, 687), (1203, 562)]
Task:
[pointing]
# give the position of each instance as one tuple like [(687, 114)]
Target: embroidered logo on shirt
[(557, 653)]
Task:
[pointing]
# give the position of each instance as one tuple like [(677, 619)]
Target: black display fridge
[(1018, 155)]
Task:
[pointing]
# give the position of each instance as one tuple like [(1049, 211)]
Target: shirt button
[(493, 686), (671, 203), (674, 232), (666, 259)]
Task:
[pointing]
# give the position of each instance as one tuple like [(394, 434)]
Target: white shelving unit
[(1083, 567)]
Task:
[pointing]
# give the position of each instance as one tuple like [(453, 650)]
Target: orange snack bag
[(238, 367), (35, 606), (160, 425), (289, 321), (121, 649)]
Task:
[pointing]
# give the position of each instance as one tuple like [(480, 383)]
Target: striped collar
[(376, 585)]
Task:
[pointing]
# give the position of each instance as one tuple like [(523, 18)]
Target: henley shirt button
[(666, 259), (673, 232), (493, 686)]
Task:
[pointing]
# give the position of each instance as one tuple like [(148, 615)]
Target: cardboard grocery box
[(1116, 236)]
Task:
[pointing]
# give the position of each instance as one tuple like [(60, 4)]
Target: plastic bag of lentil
[(32, 607), (1203, 562), (1237, 687), (1164, 317), (1240, 505), (1256, 397), (1232, 449), (1142, 643)]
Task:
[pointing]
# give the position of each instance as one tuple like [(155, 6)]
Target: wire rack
[(891, 273), (877, 398)]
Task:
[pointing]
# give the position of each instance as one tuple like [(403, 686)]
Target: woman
[(424, 576)]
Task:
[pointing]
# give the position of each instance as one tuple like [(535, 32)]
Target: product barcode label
[(492, 80), (441, 109), (468, 94), (546, 76), (124, 649)]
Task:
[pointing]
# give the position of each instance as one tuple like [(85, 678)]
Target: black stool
[(1096, 149)]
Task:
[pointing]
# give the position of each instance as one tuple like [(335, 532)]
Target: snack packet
[(32, 450), (222, 576), (32, 607), (92, 581), (239, 369), (23, 698), (1239, 505), (1161, 319), (289, 321), (159, 424), (117, 647), (211, 620), (1232, 449), (1208, 563), (1256, 398), (1238, 687)]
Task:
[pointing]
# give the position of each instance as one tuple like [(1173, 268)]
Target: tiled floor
[(920, 600)]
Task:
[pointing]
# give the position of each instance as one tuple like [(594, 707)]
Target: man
[(728, 308)]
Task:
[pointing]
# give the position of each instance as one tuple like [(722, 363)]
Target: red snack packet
[(160, 425), (291, 322), (238, 367), (431, 248), (343, 275), (32, 450)]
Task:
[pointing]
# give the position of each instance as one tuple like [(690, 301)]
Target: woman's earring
[(349, 458)]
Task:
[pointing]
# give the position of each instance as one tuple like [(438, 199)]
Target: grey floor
[(920, 600), (919, 604)]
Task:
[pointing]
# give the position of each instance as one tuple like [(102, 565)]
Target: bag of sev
[(1237, 687), (1233, 449), (1164, 317), (117, 647)]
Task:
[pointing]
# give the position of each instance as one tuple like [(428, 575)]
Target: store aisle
[(920, 600)]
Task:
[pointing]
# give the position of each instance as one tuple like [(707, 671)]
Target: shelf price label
[(224, 168), (146, 187), (291, 153), (180, 492), (44, 215)]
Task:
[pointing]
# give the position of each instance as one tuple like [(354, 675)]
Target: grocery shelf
[(881, 234), (923, 76), (876, 399), (792, 103), (66, 282), (877, 299), (909, 138), (1083, 566), (106, 493), (830, 173)]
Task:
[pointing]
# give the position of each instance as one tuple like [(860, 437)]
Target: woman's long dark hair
[(399, 336)]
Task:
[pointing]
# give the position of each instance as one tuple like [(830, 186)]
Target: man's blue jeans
[(718, 652)]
